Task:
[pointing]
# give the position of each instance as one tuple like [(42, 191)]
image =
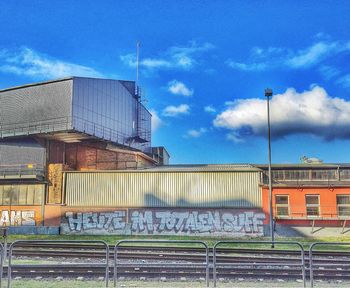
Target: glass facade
[(109, 109), (24, 194)]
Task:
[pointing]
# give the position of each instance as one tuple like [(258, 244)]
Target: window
[(312, 205), (21, 194), (282, 205), (343, 205)]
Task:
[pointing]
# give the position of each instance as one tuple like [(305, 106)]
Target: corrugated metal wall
[(21, 151), (163, 189), (35, 109)]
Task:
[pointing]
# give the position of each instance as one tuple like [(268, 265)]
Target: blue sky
[(203, 69)]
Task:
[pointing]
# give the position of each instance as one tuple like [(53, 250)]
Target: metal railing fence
[(22, 170), (182, 265), (72, 123), (205, 264), (39, 242), (237, 264), (311, 258)]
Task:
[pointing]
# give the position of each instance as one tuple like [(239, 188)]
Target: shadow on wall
[(241, 205), (307, 231), (152, 200)]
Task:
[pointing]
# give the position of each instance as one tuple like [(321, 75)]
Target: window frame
[(282, 206), (342, 205), (313, 205)]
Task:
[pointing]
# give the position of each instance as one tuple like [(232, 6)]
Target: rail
[(71, 123), (44, 126), (22, 170), (311, 259), (236, 264), (39, 242), (183, 265)]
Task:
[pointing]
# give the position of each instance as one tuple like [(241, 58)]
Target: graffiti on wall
[(17, 218), (167, 222)]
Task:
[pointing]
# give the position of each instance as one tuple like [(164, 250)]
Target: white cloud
[(172, 111), (313, 54), (176, 57), (261, 59), (344, 81), (310, 112), (30, 63), (192, 133), (156, 121), (235, 137), (328, 72), (179, 88), (246, 67), (209, 109)]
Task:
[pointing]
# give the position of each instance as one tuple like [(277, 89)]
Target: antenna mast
[(137, 62)]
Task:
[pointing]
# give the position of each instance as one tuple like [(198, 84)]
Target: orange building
[(308, 195)]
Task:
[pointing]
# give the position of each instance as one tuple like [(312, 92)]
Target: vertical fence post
[(302, 252), (207, 265), (93, 264), (9, 270), (2, 253), (4, 233), (115, 276), (107, 264), (311, 267), (214, 265)]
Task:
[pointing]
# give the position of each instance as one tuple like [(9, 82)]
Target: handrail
[(70, 123), (202, 243), (302, 252), (311, 265), (16, 243), (22, 169)]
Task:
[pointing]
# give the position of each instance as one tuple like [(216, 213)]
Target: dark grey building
[(76, 108)]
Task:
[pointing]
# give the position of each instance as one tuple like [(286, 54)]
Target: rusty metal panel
[(163, 189)]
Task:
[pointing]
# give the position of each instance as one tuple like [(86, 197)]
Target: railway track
[(156, 271), (149, 262)]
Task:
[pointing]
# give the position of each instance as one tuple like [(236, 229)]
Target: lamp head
[(268, 92)]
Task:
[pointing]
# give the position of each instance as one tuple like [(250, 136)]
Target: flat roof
[(305, 166), (57, 80), (203, 167), (36, 84)]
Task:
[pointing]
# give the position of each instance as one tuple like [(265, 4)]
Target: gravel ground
[(171, 284)]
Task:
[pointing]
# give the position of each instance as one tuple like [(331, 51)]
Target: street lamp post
[(268, 94)]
